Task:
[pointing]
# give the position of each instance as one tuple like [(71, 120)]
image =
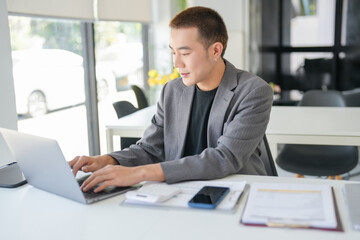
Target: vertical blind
[(125, 10), (120, 10)]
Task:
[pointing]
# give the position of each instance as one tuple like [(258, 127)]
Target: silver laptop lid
[(43, 164)]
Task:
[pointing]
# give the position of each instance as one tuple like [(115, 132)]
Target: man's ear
[(217, 49)]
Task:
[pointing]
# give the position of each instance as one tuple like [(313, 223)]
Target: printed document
[(294, 205)]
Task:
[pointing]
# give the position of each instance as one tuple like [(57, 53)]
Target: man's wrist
[(108, 160), (151, 172)]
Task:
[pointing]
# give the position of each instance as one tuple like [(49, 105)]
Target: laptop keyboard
[(90, 193), (82, 179)]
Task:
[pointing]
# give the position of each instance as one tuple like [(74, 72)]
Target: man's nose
[(178, 63)]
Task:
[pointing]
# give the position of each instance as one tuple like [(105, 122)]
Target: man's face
[(190, 57)]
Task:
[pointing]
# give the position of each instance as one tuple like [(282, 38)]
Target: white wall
[(8, 118)]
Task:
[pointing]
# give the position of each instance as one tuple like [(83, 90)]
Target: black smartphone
[(209, 197), (11, 176)]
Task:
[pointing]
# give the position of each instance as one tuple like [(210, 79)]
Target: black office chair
[(140, 97), (319, 160), (267, 158), (122, 109)]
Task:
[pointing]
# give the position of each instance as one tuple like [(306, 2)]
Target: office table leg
[(109, 141), (273, 148)]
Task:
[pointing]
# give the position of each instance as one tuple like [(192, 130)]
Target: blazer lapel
[(221, 103)]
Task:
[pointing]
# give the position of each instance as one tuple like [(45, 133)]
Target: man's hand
[(90, 164), (123, 176)]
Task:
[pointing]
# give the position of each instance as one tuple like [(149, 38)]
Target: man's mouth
[(184, 74)]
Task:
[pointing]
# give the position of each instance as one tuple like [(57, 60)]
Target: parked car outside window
[(50, 79)]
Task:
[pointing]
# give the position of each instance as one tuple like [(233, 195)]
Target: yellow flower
[(151, 82), (157, 79), (152, 73), (164, 80), (174, 74)]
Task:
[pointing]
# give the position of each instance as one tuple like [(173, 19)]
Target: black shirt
[(196, 137)]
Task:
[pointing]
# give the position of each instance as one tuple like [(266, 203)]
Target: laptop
[(44, 166)]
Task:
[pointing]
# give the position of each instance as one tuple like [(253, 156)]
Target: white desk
[(30, 213), (132, 125), (313, 125), (297, 125)]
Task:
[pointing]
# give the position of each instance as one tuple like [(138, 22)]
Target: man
[(209, 123)]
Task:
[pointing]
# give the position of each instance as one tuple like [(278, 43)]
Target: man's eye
[(185, 54)]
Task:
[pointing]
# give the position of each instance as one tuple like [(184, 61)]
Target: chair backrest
[(140, 97), (267, 158), (352, 97), (124, 108), (329, 98)]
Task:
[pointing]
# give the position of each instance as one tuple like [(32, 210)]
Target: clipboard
[(294, 224)]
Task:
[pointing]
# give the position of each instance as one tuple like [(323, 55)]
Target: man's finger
[(79, 164), (87, 185), (87, 181), (72, 162), (89, 167), (75, 169), (104, 185)]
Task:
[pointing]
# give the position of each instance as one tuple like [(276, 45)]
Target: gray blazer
[(237, 123)]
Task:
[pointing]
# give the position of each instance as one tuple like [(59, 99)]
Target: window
[(48, 69), (303, 45), (312, 23), (119, 54), (49, 80)]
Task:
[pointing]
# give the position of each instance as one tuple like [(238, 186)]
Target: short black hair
[(210, 25)]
